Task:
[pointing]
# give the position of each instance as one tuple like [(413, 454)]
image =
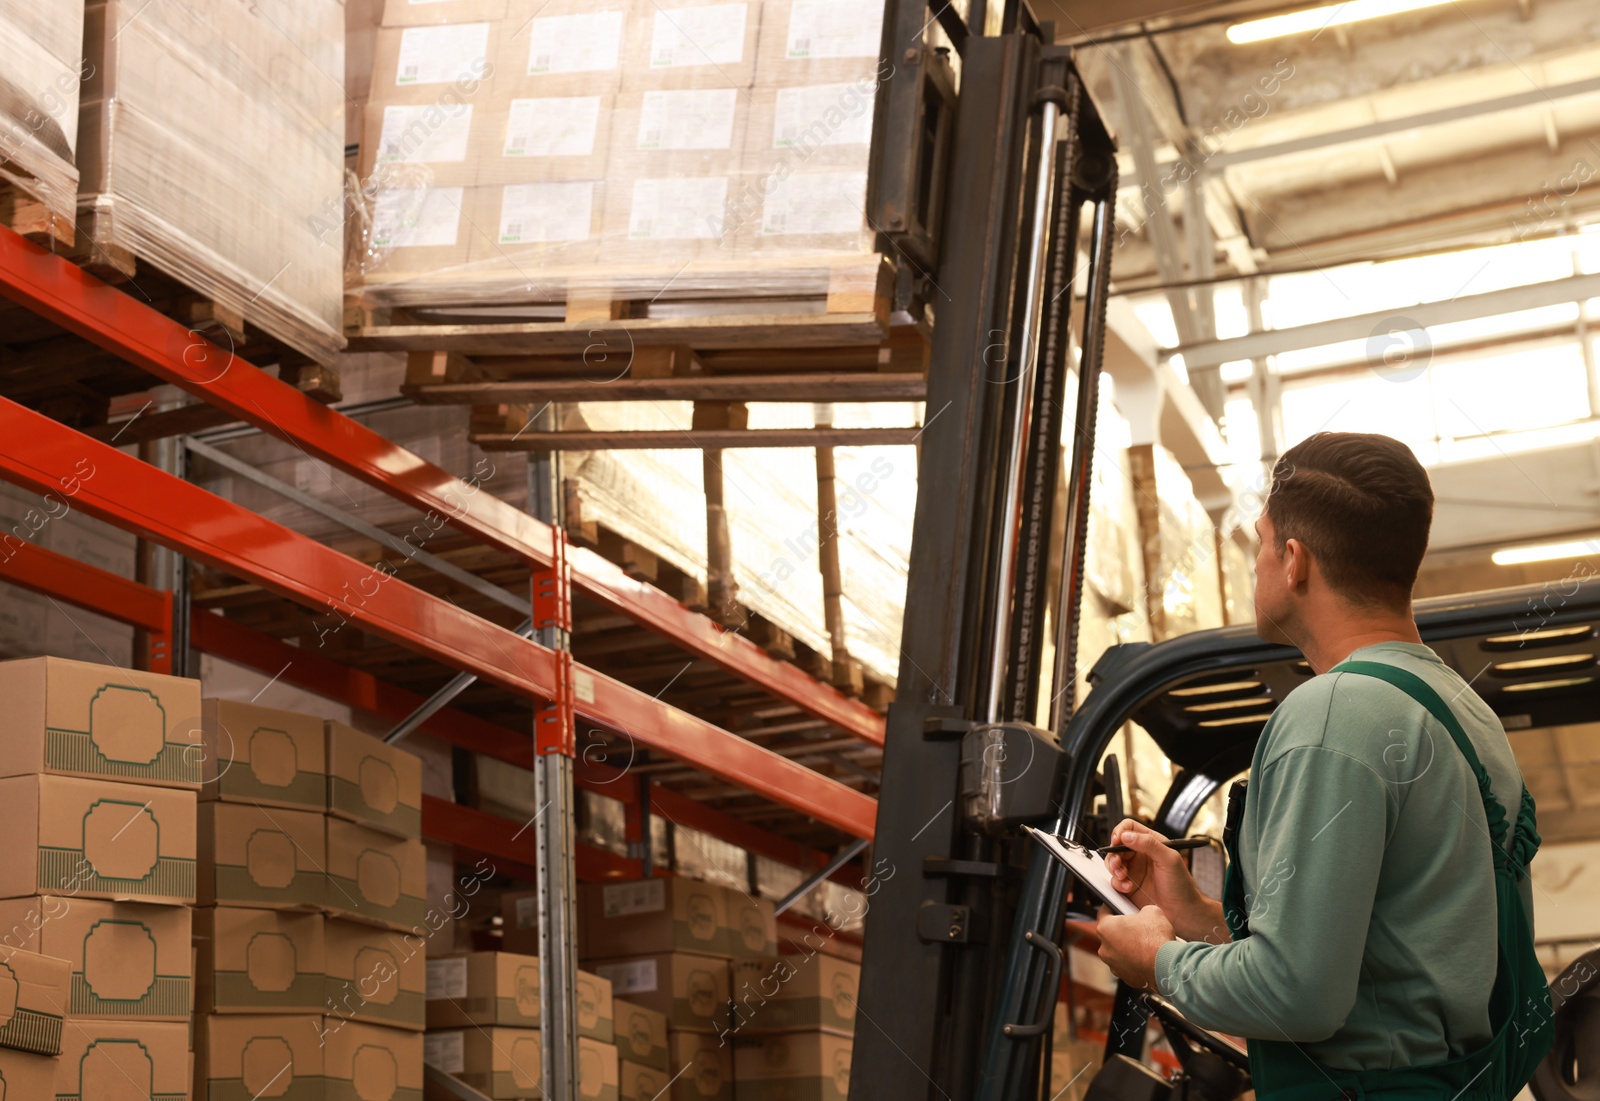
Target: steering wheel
[(1215, 1068)]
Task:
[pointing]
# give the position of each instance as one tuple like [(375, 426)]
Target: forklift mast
[(984, 169)]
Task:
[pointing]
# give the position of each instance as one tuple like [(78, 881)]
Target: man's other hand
[(1129, 942)]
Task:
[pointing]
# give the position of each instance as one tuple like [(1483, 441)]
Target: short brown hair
[(1362, 504)]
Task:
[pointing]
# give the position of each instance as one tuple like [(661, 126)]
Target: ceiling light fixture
[(1545, 552), (1316, 19)]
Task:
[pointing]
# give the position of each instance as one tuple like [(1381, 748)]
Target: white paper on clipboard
[(1087, 865)]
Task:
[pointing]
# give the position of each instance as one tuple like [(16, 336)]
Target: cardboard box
[(263, 755), (267, 857), (431, 143), (102, 1059), (702, 1068), (641, 1034), (96, 839), (259, 961), (79, 719), (793, 1066), (277, 1056), (519, 921), (126, 959), (816, 41), (795, 993), (664, 914), (416, 13), (24, 1074), (752, 929), (376, 877), (375, 784), (637, 1082), (436, 57), (569, 47), (33, 1001), (597, 1070), (813, 126), (527, 230), (506, 1063), (362, 1061), (533, 139), (691, 991), (417, 229), (374, 975), (502, 988), (674, 43)]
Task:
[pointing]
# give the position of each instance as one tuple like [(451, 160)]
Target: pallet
[(22, 211)]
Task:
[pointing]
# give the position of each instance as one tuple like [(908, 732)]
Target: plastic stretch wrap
[(655, 498), (41, 68), (213, 148), (516, 151)]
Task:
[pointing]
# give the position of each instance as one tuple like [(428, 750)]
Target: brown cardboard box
[(259, 961), (96, 839), (813, 126), (664, 914), (437, 57), (33, 1000), (795, 993), (262, 856), (80, 719), (637, 1082), (127, 959), (569, 47), (691, 991), (519, 921), (277, 1056), (431, 142), (263, 755), (641, 1034), (375, 784), (533, 139), (361, 1061), (416, 13), (24, 1074), (793, 1066), (374, 975), (376, 877), (597, 1070), (418, 229), (525, 231), (502, 988), (675, 42), (702, 1068), (817, 41), (100, 1058), (752, 929)]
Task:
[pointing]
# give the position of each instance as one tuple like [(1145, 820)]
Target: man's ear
[(1296, 563)]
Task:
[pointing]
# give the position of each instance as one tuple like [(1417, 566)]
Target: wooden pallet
[(22, 211)]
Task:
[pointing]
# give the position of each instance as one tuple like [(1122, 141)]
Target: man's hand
[(1154, 875), (1129, 943)]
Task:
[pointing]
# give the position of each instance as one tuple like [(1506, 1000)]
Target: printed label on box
[(442, 55), (447, 979), (583, 685), (834, 28), (822, 114), (413, 217), (816, 202), (684, 207), (694, 119), (528, 912), (575, 43), (531, 213), (556, 127), (446, 1051), (638, 977), (647, 896), (425, 133), (711, 35)]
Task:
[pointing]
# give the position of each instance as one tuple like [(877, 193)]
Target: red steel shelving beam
[(67, 295), (29, 566), (48, 457)]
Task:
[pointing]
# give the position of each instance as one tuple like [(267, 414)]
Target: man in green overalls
[(1374, 877)]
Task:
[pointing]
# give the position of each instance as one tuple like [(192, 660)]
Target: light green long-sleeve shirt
[(1369, 881)]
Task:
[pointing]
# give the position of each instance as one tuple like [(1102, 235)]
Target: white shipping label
[(834, 28), (816, 202), (648, 896), (712, 35), (575, 43), (638, 977), (425, 134), (694, 119), (583, 686), (445, 1051), (532, 213), (822, 114), (447, 979), (528, 912), (562, 126), (443, 55), (415, 217), (684, 208)]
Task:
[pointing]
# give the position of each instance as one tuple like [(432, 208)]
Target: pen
[(1181, 843)]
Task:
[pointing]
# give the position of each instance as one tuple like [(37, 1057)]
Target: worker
[(1355, 946)]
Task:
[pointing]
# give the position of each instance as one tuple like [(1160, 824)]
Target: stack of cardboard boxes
[(796, 1018), (97, 808), (36, 991), (668, 945), (588, 146), (310, 940)]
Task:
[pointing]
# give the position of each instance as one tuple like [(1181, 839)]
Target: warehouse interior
[(551, 548)]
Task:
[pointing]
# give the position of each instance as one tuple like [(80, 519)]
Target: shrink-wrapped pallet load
[(41, 70)]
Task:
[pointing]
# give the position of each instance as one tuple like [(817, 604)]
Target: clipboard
[(1089, 867)]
